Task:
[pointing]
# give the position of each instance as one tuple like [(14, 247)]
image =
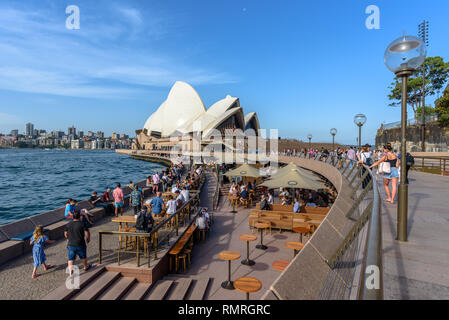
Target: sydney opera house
[(183, 114)]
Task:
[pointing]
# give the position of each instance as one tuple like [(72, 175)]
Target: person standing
[(393, 175), (38, 240), (119, 199), (365, 159), (351, 156), (78, 236), (157, 204), (156, 181), (136, 199)]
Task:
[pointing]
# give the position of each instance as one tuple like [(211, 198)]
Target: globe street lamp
[(359, 120), (310, 139), (333, 133), (403, 56)]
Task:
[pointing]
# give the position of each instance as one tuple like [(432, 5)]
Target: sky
[(303, 66)]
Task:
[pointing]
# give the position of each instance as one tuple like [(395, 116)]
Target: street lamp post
[(359, 120), (333, 133), (403, 56), (310, 141)]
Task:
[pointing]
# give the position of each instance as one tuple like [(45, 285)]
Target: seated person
[(179, 199), (171, 205), (244, 195), (320, 202), (70, 209), (310, 204), (207, 216), (287, 201), (270, 197), (264, 203), (157, 204), (249, 186), (200, 221), (185, 193), (296, 206), (94, 199), (106, 197)]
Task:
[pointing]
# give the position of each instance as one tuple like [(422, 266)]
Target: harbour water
[(35, 181)]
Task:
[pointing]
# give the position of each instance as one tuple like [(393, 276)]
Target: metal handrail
[(154, 232), (370, 288)]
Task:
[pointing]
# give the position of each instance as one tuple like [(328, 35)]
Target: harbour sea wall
[(14, 237)]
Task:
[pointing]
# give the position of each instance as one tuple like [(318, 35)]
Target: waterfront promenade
[(418, 268)]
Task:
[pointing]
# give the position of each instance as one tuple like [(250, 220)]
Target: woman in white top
[(171, 205)]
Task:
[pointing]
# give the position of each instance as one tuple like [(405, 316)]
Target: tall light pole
[(403, 57), (333, 133), (423, 33), (359, 120), (310, 141)]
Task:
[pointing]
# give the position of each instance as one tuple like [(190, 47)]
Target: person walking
[(78, 236), (136, 199), (38, 241), (119, 199), (393, 175), (365, 159)]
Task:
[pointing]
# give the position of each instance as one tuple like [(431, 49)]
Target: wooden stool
[(296, 246), (247, 285), (248, 238), (203, 234), (234, 203), (183, 258), (228, 256), (261, 226), (280, 265)]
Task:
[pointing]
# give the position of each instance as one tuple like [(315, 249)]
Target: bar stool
[(261, 226), (228, 256), (280, 265), (248, 238), (296, 246), (247, 285), (302, 230)]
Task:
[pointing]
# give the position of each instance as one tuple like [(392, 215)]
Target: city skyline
[(316, 61)]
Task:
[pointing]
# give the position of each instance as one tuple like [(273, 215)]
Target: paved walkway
[(225, 236), (418, 268)]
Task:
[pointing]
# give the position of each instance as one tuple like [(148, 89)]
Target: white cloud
[(44, 57)]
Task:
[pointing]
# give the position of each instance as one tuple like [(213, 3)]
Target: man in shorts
[(119, 199), (77, 236)]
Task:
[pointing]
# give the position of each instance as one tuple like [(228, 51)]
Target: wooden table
[(296, 246), (248, 238), (234, 203), (228, 256), (261, 226), (247, 285), (280, 265), (301, 231)]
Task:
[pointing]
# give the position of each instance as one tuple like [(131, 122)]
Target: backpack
[(409, 159), (144, 221), (368, 160)]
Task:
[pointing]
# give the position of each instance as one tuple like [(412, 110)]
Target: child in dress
[(38, 240)]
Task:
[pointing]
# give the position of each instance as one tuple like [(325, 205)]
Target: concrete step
[(159, 290), (180, 289), (137, 291), (94, 289), (199, 289), (118, 289), (62, 293)]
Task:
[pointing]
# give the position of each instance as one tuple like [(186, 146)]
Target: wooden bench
[(180, 244), (285, 220), (278, 207)]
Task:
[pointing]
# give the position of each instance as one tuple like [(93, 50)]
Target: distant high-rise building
[(72, 131), (35, 132), (90, 134), (80, 134), (114, 136), (100, 134), (15, 132), (29, 128)]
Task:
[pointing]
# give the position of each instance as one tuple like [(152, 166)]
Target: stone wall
[(437, 138)]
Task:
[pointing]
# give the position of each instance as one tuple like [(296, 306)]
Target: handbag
[(384, 167)]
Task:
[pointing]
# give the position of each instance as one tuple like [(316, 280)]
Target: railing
[(171, 224), (217, 189), (431, 164), (360, 253), (413, 121)]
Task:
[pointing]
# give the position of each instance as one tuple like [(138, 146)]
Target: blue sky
[(303, 66)]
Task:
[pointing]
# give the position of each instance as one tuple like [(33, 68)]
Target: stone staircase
[(100, 284)]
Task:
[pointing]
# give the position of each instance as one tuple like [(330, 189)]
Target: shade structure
[(291, 166), (293, 179), (245, 170)]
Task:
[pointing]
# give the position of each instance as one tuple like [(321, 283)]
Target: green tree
[(436, 73), (428, 111), (442, 108)]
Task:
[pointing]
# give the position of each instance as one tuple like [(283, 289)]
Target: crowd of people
[(77, 230)]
